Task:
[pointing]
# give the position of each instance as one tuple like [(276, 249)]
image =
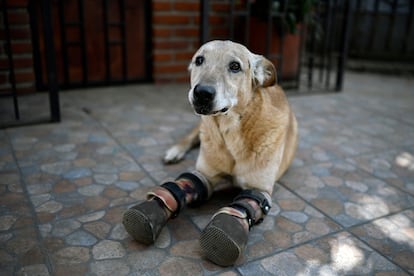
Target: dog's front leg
[(226, 235), (145, 220), (176, 153)]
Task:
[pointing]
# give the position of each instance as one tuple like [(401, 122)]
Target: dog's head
[(225, 74)]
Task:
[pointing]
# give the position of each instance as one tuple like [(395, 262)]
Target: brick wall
[(175, 29), (20, 47), (175, 38), (176, 34)]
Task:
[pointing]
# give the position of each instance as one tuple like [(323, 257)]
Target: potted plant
[(287, 18)]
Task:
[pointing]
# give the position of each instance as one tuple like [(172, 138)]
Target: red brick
[(220, 7), (171, 45), (217, 20), (17, 3), (187, 6), (187, 32), (21, 47), (161, 6), (26, 89), (170, 68), (4, 78), (184, 56), (162, 57), (174, 19), (18, 17), (20, 33), (20, 63), (24, 77), (162, 31), (4, 63), (219, 33)]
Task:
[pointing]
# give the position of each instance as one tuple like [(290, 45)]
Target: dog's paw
[(174, 154)]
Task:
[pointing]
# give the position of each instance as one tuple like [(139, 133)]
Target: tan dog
[(247, 129), (247, 132)]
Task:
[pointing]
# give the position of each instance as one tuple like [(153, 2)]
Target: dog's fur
[(248, 131)]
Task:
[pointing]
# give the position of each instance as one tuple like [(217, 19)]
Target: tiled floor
[(346, 206)]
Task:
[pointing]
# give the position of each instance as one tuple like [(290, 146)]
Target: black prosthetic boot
[(225, 237), (145, 221)]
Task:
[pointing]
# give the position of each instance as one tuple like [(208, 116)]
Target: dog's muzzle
[(203, 99)]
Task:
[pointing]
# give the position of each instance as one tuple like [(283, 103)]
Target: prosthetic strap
[(188, 188), (196, 186), (250, 212), (263, 201), (170, 195)]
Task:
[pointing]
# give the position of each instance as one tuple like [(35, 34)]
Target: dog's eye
[(234, 66), (199, 60)]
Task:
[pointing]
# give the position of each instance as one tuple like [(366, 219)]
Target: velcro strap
[(256, 196), (232, 212), (200, 188), (165, 197), (177, 193), (248, 209)]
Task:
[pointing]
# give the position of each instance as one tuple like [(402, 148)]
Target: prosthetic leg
[(225, 237), (145, 221)]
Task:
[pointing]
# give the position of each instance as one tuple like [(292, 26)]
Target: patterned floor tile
[(393, 236), (64, 187), (396, 167), (345, 193), (340, 254)]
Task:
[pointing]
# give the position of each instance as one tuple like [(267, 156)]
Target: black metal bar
[(106, 41), (204, 12), (301, 51), (83, 42), (148, 41), (50, 61), (311, 59), (325, 51), (281, 42), (408, 28), (373, 29), (63, 41), (123, 36), (391, 25), (12, 76), (37, 64), (232, 18), (247, 22), (269, 28), (331, 43), (357, 19), (344, 44)]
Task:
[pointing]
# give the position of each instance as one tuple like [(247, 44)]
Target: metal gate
[(98, 42), (383, 31), (321, 38), (13, 110)]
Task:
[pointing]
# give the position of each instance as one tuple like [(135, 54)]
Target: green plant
[(292, 12)]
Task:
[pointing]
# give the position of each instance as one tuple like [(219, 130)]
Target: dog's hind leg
[(176, 153)]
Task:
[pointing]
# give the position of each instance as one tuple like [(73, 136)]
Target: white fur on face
[(215, 71)]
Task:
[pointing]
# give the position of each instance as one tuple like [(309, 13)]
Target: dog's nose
[(204, 93)]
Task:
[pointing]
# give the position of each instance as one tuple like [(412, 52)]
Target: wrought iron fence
[(316, 43), (13, 116)]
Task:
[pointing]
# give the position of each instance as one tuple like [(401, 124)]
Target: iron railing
[(53, 92), (324, 39)]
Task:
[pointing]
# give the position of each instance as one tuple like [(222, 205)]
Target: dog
[(247, 130), (247, 133)]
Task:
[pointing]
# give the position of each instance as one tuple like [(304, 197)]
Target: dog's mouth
[(206, 110)]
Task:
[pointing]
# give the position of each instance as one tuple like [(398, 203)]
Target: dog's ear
[(264, 72)]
